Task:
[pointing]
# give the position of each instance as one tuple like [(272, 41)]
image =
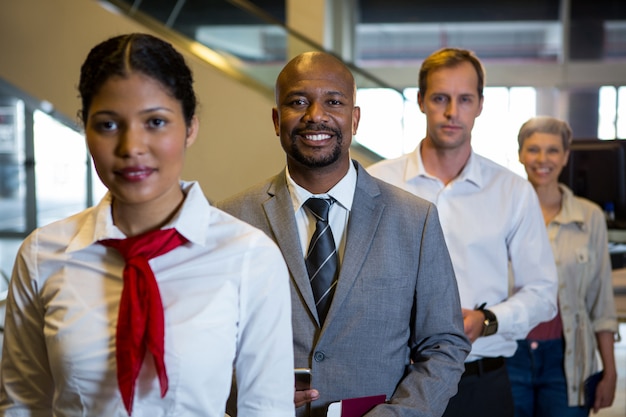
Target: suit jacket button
[(319, 356)]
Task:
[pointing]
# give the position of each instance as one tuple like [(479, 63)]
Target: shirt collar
[(342, 192), (570, 211), (470, 172), (191, 220)]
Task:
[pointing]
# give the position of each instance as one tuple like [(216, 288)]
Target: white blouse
[(226, 303)]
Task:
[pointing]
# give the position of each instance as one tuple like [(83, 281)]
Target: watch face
[(490, 328), (490, 325)]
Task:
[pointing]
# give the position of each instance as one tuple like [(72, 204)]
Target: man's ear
[(420, 101), (276, 120), (356, 117), (480, 109)]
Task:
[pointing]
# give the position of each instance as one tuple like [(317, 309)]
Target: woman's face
[(137, 136), (543, 157)]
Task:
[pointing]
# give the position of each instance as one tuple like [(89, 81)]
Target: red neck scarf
[(140, 324)]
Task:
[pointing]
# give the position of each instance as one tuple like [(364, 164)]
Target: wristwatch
[(490, 325)]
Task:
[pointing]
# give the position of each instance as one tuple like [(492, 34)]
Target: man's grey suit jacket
[(395, 325)]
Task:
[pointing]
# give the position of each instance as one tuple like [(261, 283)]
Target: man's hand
[(473, 321), (306, 396)]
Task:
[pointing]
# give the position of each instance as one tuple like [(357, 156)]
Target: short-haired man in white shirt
[(492, 224)]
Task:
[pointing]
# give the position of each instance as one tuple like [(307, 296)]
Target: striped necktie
[(321, 259)]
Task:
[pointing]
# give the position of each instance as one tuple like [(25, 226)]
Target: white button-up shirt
[(342, 193), (493, 225), (226, 301)]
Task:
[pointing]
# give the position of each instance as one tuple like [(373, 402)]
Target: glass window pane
[(12, 175), (606, 112), (414, 120), (380, 128), (60, 171), (391, 126), (495, 131), (488, 133), (522, 106), (621, 113)]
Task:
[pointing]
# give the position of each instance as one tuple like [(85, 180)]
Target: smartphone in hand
[(303, 378)]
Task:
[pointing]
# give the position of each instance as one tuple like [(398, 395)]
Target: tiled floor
[(619, 405)]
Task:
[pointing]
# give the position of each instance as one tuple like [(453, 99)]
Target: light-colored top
[(493, 226), (342, 193), (226, 301), (579, 242)]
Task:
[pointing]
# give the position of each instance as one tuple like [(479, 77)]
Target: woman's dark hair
[(137, 52)]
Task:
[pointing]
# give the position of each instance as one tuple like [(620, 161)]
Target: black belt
[(482, 366)]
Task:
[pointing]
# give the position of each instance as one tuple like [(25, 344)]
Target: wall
[(45, 42)]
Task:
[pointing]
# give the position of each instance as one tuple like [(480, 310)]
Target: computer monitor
[(596, 170)]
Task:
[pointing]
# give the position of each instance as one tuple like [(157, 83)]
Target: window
[(495, 131), (45, 173), (381, 125), (392, 124), (60, 169), (612, 113)]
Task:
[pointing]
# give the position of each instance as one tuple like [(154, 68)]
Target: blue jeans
[(538, 380)]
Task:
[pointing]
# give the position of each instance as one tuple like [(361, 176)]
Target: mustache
[(318, 127)]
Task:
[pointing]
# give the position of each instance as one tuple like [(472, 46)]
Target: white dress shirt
[(226, 301), (342, 193), (493, 225)]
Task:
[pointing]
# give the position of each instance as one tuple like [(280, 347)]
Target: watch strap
[(490, 324)]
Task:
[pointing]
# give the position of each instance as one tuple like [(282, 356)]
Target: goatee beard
[(322, 160)]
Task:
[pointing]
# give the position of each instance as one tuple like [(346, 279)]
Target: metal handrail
[(215, 58), (211, 57)]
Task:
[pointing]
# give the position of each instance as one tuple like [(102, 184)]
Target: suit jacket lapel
[(279, 211), (365, 215)]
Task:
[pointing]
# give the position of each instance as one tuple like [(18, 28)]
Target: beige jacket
[(578, 236)]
